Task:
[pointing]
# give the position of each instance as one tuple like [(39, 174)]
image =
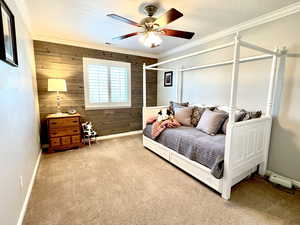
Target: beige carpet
[(118, 182)]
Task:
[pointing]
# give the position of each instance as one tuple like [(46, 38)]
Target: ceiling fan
[(154, 27)]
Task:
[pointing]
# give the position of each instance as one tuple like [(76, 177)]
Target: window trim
[(109, 105)]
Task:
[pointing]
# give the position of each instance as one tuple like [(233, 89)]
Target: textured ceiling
[(86, 20)]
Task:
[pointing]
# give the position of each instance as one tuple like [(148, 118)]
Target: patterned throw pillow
[(177, 105), (239, 114), (242, 115), (196, 115), (251, 115)]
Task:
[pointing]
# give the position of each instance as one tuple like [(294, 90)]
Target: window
[(106, 84)]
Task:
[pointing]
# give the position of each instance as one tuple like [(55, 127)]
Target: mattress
[(194, 144)]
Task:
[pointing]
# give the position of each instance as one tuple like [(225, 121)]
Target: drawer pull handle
[(74, 121), (54, 133), (53, 122), (75, 130)]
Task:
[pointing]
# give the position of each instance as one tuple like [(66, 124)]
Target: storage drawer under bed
[(160, 150), (195, 169)]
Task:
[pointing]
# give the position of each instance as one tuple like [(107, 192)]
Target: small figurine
[(89, 132)]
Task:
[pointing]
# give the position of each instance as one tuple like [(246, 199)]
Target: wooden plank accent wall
[(65, 61)]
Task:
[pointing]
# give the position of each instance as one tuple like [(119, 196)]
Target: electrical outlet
[(21, 183)]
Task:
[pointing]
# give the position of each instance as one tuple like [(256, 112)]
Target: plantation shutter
[(119, 84), (98, 81), (107, 83)]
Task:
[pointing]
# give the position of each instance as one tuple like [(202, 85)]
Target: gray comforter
[(192, 143)]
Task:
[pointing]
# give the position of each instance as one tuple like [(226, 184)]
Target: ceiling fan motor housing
[(148, 22), (150, 10)]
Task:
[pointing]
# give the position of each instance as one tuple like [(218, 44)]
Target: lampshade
[(57, 85)]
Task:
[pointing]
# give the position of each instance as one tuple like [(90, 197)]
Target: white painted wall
[(212, 86), (19, 119)]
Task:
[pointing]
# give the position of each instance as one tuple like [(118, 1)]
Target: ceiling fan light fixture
[(151, 40)]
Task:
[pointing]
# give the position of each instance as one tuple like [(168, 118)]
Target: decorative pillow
[(210, 122), (177, 105), (183, 115), (237, 117), (196, 115), (251, 115)]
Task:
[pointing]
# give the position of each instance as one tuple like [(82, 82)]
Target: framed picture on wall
[(168, 79), (8, 43)]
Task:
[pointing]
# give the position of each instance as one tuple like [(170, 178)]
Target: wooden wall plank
[(65, 61)]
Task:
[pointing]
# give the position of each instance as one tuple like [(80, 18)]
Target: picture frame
[(168, 79), (8, 42)]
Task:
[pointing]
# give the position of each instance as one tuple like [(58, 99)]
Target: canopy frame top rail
[(219, 47), (237, 43)]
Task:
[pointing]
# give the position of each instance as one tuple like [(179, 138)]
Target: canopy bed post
[(179, 75), (227, 182), (234, 79), (144, 86), (144, 96), (272, 84), (269, 107)]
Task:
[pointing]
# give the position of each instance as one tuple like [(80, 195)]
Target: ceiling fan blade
[(178, 33), (123, 19), (168, 17), (125, 36)]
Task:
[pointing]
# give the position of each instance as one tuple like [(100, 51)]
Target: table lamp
[(57, 85)]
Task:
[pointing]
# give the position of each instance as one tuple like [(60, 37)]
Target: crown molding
[(93, 46), (268, 17)]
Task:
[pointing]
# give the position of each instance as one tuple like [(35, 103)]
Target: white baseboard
[(119, 135), (295, 183), (25, 204)]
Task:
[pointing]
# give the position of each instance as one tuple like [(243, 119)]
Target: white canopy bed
[(246, 142)]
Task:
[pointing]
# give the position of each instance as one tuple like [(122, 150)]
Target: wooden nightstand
[(64, 132)]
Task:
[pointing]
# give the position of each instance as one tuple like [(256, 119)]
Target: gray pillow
[(210, 122), (183, 115)]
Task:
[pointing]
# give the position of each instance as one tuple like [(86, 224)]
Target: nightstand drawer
[(76, 139), (63, 122), (55, 142), (64, 132)]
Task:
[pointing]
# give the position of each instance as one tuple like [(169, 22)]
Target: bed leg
[(226, 191), (262, 169)]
